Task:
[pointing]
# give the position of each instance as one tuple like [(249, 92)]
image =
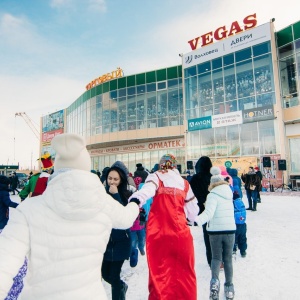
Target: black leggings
[(111, 271)]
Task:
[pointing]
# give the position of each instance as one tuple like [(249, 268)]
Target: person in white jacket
[(219, 216), (64, 231)]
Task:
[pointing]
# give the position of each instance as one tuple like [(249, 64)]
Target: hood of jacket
[(75, 195), (203, 165), (232, 172), (222, 189)]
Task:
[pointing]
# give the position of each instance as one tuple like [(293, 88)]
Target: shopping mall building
[(234, 98)]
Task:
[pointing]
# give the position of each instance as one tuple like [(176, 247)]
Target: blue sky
[(50, 50)]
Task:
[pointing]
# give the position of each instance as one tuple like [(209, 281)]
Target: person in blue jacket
[(241, 226), (119, 246), (236, 181), (5, 202)]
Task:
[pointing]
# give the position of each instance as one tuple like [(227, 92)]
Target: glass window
[(150, 77), (244, 76), (206, 111), (297, 44), (131, 91), (151, 106), (286, 50), (233, 143), (263, 74), (190, 92), (267, 137), (243, 54), (173, 72), (141, 89), (288, 77), (204, 67), (218, 86), (217, 63), (122, 93), (205, 94), (230, 83), (231, 106), (190, 72), (265, 99), (249, 139), (261, 49), (172, 83), (228, 59), (151, 87), (207, 142), (247, 103), (161, 85), (295, 155), (220, 141)]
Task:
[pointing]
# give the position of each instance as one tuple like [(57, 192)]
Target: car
[(23, 178)]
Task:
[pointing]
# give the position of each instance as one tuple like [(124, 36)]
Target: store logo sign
[(223, 32), (199, 123), (258, 114), (189, 59)]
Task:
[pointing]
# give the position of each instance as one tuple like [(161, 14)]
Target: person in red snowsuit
[(169, 243)]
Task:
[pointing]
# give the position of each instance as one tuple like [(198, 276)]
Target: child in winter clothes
[(138, 230), (241, 226), (219, 216)]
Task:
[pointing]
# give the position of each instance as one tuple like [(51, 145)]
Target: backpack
[(239, 211)]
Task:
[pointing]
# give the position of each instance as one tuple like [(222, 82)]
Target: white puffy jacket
[(219, 210), (64, 233)]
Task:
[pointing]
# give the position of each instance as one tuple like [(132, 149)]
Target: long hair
[(123, 186)]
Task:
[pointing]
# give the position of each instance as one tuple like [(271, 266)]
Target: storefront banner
[(237, 42), (53, 121), (159, 145), (232, 118), (258, 114), (48, 136), (199, 123)]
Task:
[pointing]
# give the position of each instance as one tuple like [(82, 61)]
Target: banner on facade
[(159, 145), (232, 118)]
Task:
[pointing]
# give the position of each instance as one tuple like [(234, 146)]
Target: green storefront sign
[(228, 164)]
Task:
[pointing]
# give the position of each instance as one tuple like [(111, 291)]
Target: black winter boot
[(254, 206), (123, 291)]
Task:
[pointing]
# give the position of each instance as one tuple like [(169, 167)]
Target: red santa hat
[(46, 161), (256, 168)]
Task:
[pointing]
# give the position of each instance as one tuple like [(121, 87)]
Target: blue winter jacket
[(5, 203)]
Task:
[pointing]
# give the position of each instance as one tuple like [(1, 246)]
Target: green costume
[(29, 187)]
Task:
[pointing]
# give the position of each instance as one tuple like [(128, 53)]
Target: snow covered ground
[(271, 269)]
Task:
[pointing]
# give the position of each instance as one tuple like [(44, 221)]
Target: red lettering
[(207, 39), (235, 28), (220, 33), (250, 21), (192, 44)]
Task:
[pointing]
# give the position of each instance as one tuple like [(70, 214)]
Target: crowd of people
[(75, 227)]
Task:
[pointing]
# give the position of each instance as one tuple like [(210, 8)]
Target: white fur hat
[(71, 152), (216, 175)]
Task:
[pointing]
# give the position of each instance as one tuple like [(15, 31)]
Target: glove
[(135, 200)]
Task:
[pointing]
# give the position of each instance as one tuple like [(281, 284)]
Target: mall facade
[(235, 100)]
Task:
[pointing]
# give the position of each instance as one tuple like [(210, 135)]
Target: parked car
[(23, 178)]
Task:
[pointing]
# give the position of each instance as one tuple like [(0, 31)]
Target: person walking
[(140, 172), (241, 226), (199, 184), (258, 172), (118, 248), (64, 231), (14, 183), (252, 186), (169, 243), (219, 216)]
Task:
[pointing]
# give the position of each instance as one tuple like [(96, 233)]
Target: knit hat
[(71, 152), (4, 180), (256, 168), (216, 175), (121, 166), (139, 165), (168, 161), (47, 162)]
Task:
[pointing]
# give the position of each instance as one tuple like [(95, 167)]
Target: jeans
[(138, 239), (252, 195), (221, 248), (241, 237)]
